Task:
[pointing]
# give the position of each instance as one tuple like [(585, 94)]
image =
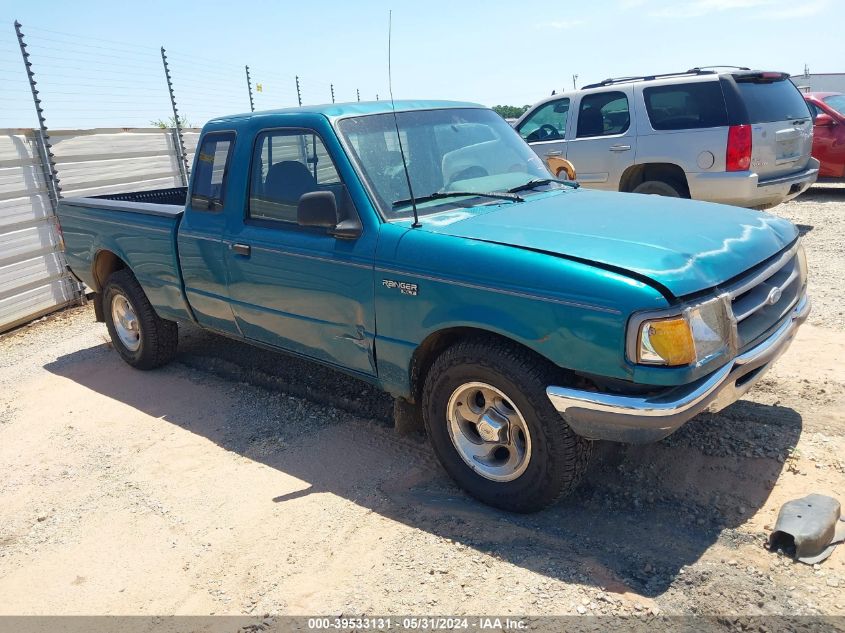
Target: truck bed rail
[(173, 195)]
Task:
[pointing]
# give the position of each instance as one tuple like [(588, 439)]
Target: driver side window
[(287, 164), (547, 123)]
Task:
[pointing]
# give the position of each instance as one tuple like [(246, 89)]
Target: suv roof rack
[(698, 70), (721, 66)]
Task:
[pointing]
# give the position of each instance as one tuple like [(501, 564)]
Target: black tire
[(668, 187), (558, 457), (158, 337)]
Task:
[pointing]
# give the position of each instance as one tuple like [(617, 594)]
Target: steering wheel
[(547, 131)]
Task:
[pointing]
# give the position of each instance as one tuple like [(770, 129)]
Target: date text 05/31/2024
[(417, 623)]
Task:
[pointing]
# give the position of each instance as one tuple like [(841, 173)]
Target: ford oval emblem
[(774, 296)]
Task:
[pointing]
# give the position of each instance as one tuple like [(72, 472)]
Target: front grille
[(762, 300)]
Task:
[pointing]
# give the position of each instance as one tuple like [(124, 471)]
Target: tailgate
[(781, 148), (782, 129)]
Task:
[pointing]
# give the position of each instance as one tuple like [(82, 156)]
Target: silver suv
[(741, 137)]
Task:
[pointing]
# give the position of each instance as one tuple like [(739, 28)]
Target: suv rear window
[(770, 101), (686, 106)]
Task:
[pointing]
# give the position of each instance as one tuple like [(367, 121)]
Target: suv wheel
[(494, 429), (139, 335), (669, 188)]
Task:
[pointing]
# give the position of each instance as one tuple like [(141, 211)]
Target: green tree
[(510, 112), (170, 122)]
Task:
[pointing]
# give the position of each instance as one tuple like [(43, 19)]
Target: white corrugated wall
[(33, 280)]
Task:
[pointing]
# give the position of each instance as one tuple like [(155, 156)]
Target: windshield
[(837, 102), (459, 150)]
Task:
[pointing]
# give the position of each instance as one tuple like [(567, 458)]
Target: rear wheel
[(139, 335), (669, 188), (494, 429)]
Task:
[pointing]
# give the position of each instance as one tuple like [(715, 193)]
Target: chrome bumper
[(638, 419)]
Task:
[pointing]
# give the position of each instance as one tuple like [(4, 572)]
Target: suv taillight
[(738, 155)]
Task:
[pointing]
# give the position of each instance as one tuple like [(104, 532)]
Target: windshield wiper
[(438, 195), (539, 182)]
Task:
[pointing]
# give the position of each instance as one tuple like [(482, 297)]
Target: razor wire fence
[(88, 82)]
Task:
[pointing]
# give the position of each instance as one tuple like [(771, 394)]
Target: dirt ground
[(237, 481)]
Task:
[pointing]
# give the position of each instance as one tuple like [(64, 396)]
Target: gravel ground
[(240, 481), (818, 214)]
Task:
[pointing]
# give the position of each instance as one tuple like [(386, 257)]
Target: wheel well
[(437, 342), (105, 263), (637, 174)]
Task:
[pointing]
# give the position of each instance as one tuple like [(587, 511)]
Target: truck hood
[(683, 246)]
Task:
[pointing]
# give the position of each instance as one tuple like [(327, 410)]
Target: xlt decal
[(404, 287)]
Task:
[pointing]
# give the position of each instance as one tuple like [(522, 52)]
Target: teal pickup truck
[(428, 251)]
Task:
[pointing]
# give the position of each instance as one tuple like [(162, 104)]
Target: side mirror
[(824, 120), (317, 208)]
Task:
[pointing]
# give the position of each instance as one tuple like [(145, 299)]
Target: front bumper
[(643, 419)]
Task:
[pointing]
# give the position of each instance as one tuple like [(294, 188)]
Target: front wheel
[(494, 429), (140, 336)]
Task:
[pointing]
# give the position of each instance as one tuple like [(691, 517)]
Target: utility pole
[(332, 87), (358, 94), (574, 79), (298, 93)]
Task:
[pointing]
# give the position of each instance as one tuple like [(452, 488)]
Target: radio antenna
[(416, 223)]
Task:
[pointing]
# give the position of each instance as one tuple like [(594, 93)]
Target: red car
[(828, 110)]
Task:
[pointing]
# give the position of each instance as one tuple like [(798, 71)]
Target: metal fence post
[(298, 93), (332, 88), (180, 145), (43, 145), (249, 87)]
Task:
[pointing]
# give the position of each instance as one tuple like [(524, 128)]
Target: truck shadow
[(642, 514)]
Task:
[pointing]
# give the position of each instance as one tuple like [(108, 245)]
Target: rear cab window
[(686, 106), (603, 114), (770, 100), (212, 165)]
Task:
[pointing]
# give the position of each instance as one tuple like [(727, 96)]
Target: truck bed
[(137, 227)]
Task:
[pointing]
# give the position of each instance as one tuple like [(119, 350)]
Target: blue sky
[(98, 62)]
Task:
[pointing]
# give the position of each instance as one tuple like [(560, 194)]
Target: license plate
[(788, 149)]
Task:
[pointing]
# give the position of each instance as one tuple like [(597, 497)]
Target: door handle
[(240, 249), (619, 148), (557, 153)]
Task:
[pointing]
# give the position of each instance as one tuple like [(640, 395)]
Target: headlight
[(694, 336)]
